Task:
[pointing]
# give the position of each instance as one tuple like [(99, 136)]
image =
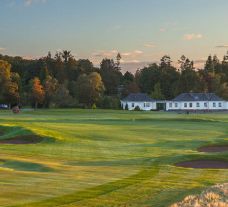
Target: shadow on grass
[(90, 193), (25, 166), (19, 135), (151, 170), (108, 163), (164, 198)]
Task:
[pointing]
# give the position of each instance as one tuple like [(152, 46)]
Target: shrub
[(109, 102), (94, 106), (137, 108), (126, 107)]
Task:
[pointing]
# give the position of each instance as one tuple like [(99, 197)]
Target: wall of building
[(200, 105), (145, 106)]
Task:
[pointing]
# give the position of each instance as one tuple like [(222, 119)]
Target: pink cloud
[(192, 36)]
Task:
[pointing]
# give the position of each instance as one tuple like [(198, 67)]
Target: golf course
[(107, 158)]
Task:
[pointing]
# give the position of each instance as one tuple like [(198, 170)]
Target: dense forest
[(63, 81)]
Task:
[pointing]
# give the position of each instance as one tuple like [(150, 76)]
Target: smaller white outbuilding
[(139, 100), (197, 102)]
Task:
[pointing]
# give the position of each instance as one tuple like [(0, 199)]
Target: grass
[(107, 158)]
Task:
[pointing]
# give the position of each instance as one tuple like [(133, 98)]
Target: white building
[(197, 102), (140, 100)]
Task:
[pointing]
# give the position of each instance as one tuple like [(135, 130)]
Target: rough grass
[(107, 158), (216, 196)]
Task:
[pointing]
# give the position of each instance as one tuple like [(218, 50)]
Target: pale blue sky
[(142, 30)]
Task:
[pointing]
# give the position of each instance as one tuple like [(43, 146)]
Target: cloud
[(113, 53), (199, 61), (105, 54), (192, 36), (162, 29), (127, 56), (222, 46), (150, 45), (137, 52), (30, 2), (133, 65), (31, 57), (2, 49)]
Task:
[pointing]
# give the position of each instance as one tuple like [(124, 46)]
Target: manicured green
[(107, 158)]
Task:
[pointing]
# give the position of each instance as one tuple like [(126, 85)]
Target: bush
[(126, 107), (137, 108), (94, 106), (109, 102)]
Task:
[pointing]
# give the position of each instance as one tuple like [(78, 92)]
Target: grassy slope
[(106, 158)]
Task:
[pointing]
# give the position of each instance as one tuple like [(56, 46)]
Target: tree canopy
[(63, 81)]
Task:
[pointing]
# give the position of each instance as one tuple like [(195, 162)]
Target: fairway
[(105, 158)]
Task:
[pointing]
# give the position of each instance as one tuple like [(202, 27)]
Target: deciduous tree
[(37, 92)]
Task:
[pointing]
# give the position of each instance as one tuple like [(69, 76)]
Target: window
[(170, 105), (147, 104), (190, 105), (185, 105), (197, 104), (214, 105), (133, 105), (220, 105), (176, 105), (205, 104)]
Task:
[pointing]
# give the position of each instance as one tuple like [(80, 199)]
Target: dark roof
[(197, 97), (138, 97)]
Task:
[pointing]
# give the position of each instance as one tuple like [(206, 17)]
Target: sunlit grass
[(107, 158)]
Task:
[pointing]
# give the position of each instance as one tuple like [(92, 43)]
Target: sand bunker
[(213, 148), (204, 164), (26, 139)]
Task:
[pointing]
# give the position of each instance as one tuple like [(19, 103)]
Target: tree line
[(63, 81)]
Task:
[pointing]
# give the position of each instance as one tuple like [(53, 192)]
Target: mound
[(216, 196), (24, 166), (213, 148), (26, 139), (204, 164)]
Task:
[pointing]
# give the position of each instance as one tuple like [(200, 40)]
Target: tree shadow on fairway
[(23, 139), (108, 163), (25, 166), (163, 197), (1, 133), (93, 192)]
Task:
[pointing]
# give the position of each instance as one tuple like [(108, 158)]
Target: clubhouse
[(183, 102)]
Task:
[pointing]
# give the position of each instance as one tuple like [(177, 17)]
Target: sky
[(141, 30)]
